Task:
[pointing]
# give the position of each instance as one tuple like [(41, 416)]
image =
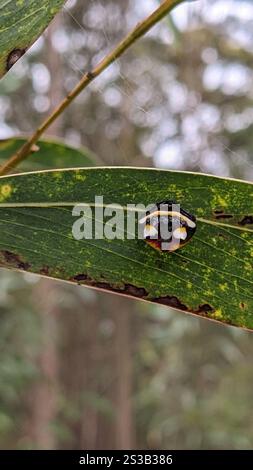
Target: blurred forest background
[(81, 369)]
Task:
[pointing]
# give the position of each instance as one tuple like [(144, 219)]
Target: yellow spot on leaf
[(223, 287), (80, 176), (5, 192), (57, 175), (218, 314), (220, 201)]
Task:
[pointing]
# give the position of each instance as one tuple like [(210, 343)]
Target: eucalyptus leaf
[(211, 276), (21, 23), (49, 154)]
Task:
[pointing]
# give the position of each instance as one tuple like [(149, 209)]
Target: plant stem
[(135, 34)]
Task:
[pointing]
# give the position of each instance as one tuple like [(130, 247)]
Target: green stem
[(142, 28)]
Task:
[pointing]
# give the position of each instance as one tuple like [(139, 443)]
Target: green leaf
[(211, 276), (50, 154), (21, 23)]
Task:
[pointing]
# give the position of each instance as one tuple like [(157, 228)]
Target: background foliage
[(81, 369)]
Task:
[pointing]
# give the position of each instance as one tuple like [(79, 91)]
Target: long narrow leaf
[(211, 276), (21, 22)]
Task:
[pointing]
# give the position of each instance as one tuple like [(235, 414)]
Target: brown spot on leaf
[(218, 211), (44, 270), (242, 305), (135, 291), (247, 220), (173, 302), (223, 216), (127, 289), (13, 57), (141, 293), (205, 308), (14, 260), (80, 277), (222, 235)]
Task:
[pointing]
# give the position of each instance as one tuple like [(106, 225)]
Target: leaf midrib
[(45, 205)]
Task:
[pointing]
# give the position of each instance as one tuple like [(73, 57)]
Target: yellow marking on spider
[(180, 233)]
